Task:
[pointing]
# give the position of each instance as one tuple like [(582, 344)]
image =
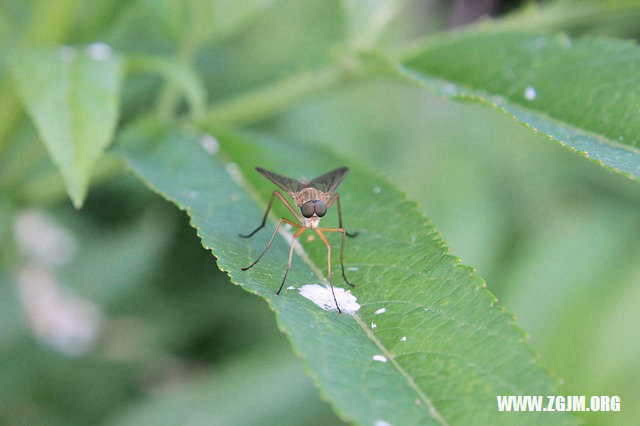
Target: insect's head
[(317, 207)]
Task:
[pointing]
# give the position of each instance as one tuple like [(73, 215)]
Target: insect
[(313, 199)]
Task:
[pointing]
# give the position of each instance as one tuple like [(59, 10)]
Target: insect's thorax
[(308, 194)]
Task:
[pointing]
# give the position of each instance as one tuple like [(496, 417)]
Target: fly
[(313, 199)]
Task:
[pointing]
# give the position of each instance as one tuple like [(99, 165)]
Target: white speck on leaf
[(404, 339), (99, 51), (379, 358), (373, 325), (377, 190), (382, 423), (352, 268), (321, 296), (380, 311), (450, 89), (530, 93), (192, 194), (209, 143), (234, 171), (291, 287)]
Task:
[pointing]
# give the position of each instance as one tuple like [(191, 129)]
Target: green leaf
[(580, 93), (72, 96), (444, 349)]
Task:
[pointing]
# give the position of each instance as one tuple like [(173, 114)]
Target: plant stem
[(170, 94), (267, 101)]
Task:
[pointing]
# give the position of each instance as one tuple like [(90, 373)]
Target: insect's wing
[(289, 185), (328, 182)]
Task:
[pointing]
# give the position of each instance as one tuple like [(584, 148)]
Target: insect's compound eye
[(321, 208), (308, 209)]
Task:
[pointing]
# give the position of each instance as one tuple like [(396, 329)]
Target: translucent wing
[(328, 182), (289, 185)]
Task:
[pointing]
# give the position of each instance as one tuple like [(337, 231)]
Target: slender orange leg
[(336, 197), (293, 240), (326, 243), (272, 237), (278, 194), (343, 232)]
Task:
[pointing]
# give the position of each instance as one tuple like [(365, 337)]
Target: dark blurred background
[(115, 313)]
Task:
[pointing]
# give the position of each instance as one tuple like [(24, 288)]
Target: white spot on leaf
[(209, 144), (530, 93), (373, 325), (321, 296), (291, 287), (382, 423), (377, 190), (234, 171), (380, 311), (379, 358), (99, 51), (404, 339), (352, 268)]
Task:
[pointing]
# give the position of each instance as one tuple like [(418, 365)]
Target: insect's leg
[(326, 243), (336, 197), (343, 232), (274, 194), (271, 240), (293, 240), (287, 205)]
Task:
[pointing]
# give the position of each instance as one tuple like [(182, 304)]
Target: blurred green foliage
[(166, 334)]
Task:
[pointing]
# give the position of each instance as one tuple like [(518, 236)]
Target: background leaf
[(460, 350), (581, 93), (243, 393), (72, 96), (366, 19)]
